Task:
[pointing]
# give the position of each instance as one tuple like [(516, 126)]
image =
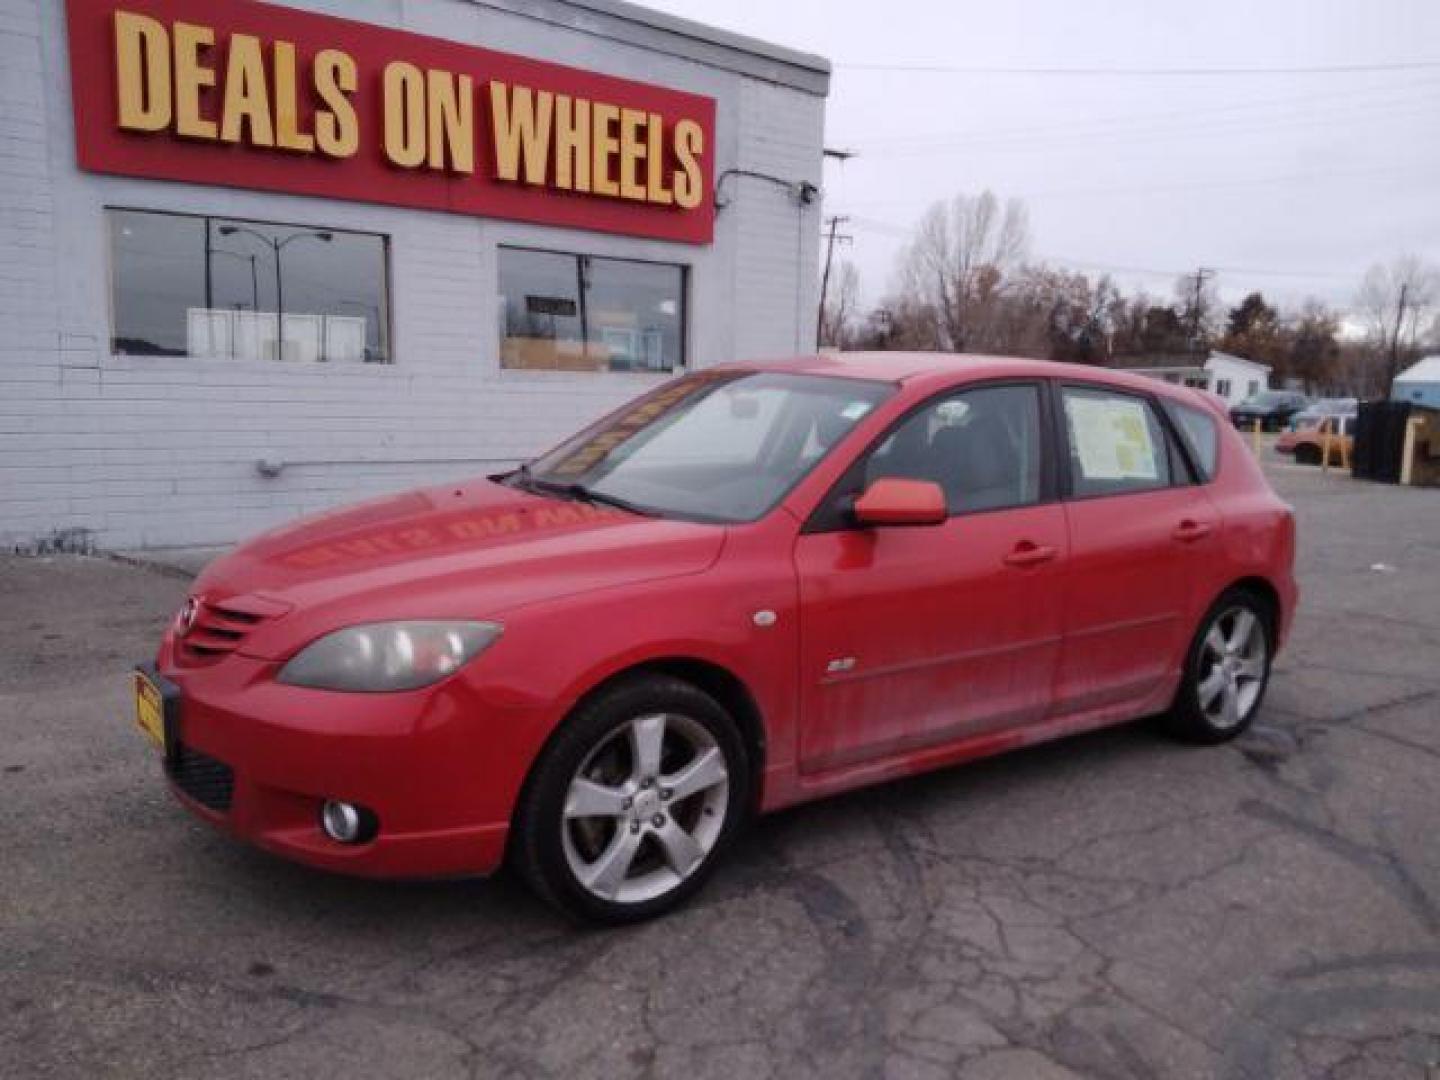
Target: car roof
[(904, 367)]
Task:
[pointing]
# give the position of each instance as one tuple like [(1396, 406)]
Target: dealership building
[(258, 260)]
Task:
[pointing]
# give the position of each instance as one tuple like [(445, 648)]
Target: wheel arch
[(1264, 591), (713, 678)]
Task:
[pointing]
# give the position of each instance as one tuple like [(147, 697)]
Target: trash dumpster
[(1380, 440)]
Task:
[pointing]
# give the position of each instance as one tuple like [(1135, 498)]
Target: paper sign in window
[(1112, 439)]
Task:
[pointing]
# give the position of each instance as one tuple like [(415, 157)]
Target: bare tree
[(1395, 301), (842, 307), (957, 263)]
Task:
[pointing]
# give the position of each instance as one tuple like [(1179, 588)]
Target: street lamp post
[(253, 260), (276, 246)]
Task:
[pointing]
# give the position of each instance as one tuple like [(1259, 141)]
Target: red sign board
[(246, 94)]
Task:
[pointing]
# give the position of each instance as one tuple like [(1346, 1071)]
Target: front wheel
[(633, 801), (1227, 670)]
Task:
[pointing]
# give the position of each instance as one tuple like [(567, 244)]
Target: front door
[(913, 636)]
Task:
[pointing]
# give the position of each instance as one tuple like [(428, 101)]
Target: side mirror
[(891, 501)]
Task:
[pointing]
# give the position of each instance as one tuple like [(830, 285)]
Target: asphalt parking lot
[(1112, 906)]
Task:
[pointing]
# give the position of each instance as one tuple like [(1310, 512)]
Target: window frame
[(1182, 472), (1186, 452), (679, 368), (386, 307), (833, 512)]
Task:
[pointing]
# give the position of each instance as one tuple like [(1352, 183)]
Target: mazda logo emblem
[(185, 622)]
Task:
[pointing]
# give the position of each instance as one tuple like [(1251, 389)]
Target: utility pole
[(1197, 311), (1395, 337), (834, 236)]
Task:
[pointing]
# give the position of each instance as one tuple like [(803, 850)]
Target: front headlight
[(389, 655)]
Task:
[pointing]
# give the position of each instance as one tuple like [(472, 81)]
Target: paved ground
[(1112, 906)]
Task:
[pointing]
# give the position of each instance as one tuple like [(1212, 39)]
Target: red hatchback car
[(756, 585)]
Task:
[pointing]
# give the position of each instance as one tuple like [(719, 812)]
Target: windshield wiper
[(522, 477)]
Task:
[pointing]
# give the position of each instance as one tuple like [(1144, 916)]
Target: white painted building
[(1231, 377), (197, 342)]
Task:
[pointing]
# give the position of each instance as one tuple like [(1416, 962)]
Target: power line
[(894, 229), (1238, 119), (1145, 72)]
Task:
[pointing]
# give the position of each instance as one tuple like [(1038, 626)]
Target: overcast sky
[(1289, 182)]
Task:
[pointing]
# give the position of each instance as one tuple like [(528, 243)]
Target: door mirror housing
[(892, 501)]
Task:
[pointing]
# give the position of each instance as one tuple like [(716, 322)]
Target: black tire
[(542, 845), (1307, 455), (1192, 719)]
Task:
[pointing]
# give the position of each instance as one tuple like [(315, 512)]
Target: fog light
[(347, 823)]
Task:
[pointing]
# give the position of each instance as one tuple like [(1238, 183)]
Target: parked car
[(756, 585), (1307, 444), (1273, 408), (1323, 407)]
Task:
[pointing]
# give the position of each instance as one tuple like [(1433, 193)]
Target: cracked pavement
[(1114, 905)]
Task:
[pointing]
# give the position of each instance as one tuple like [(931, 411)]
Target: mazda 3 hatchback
[(756, 585)]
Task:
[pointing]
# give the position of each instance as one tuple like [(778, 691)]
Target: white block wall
[(115, 452)]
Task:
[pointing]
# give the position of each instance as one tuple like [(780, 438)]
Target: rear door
[(1138, 528), (913, 636)]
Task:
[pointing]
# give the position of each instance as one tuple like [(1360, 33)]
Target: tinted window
[(227, 289), (1202, 439), (981, 446), (1115, 441), (585, 313)]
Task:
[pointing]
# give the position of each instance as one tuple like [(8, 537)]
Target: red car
[(756, 585)]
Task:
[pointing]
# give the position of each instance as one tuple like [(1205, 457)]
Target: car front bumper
[(440, 768)]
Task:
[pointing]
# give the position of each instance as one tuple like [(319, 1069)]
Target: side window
[(1116, 443), (1202, 439), (981, 446)]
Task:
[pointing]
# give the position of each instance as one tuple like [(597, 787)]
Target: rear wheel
[(633, 802), (1307, 455), (1227, 671)]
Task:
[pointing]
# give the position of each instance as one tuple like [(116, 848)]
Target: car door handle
[(1029, 554), (1189, 531)]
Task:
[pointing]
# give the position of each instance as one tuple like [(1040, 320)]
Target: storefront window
[(226, 289), (585, 313)]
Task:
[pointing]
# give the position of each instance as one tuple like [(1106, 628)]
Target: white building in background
[(1231, 377), (261, 260)]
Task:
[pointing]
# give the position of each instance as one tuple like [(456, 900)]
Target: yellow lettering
[(142, 70), (191, 76), (451, 110), (247, 99), (337, 130), (689, 143), (521, 122), (287, 102), (604, 147), (404, 88), (656, 190), (572, 143), (632, 152)]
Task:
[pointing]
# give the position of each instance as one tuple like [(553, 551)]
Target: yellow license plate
[(150, 709)]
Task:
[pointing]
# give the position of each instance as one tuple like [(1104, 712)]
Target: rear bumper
[(440, 768)]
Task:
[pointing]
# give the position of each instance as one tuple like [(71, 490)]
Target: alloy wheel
[(645, 808), (1232, 667)]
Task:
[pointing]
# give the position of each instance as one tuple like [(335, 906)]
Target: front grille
[(221, 626), (209, 782)]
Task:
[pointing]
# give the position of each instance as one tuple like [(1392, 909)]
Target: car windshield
[(721, 446), (1267, 399)]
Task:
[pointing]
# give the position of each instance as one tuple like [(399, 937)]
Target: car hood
[(473, 550)]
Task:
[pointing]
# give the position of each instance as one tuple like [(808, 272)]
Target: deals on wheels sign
[(254, 95)]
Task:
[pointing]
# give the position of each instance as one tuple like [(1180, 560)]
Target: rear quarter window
[(1199, 433)]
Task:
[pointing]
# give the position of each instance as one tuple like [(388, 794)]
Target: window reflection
[(585, 313), (223, 288)]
